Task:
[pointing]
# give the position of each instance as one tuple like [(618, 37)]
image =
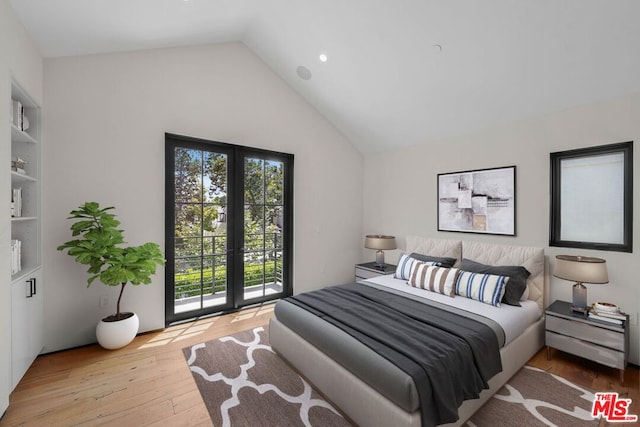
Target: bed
[(368, 388)]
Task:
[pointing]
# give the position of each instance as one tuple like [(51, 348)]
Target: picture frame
[(478, 201), (592, 198)]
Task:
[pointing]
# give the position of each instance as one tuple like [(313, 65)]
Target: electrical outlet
[(633, 318), (104, 301)]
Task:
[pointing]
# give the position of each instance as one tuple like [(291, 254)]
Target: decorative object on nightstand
[(600, 341), (380, 243), (368, 270), (581, 269), (607, 312)]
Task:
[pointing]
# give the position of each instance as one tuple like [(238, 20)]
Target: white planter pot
[(114, 335)]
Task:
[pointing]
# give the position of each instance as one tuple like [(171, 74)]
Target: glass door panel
[(200, 232), (263, 223)]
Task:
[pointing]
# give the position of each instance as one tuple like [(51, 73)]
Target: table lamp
[(380, 243), (581, 269)]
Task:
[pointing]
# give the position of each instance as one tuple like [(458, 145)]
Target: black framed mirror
[(592, 198)]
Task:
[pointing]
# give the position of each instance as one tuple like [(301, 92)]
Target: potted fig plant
[(100, 245)]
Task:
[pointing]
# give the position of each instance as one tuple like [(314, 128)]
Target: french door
[(228, 225)]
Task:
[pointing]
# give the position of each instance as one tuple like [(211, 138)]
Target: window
[(592, 198)]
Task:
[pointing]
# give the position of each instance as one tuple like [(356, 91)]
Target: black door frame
[(235, 215)]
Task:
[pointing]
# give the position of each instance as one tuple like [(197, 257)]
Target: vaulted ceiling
[(398, 72)]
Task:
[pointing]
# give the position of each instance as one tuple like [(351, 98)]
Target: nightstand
[(368, 270), (594, 340)]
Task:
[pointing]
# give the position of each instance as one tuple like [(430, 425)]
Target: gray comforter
[(450, 357)]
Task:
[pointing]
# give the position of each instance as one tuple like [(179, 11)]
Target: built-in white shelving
[(27, 303)]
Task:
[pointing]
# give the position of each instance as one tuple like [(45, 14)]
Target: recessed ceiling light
[(323, 57)]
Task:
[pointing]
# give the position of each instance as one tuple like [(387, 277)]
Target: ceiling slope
[(398, 72)]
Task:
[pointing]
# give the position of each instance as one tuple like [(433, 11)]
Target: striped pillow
[(406, 264), (435, 279), (486, 288)]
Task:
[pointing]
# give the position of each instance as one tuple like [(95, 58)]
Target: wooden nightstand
[(577, 334), (370, 269)]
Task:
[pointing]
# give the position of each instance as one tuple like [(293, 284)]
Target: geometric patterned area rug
[(244, 383), (533, 397)]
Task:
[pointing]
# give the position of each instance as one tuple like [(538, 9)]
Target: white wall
[(104, 120), (20, 58), (400, 188)]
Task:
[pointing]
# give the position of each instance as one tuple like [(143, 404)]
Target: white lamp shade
[(380, 242), (581, 269)]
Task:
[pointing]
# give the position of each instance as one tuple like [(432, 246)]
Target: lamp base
[(581, 310), (580, 298), (379, 258)]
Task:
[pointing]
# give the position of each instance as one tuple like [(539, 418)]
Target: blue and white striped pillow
[(486, 288), (406, 264)]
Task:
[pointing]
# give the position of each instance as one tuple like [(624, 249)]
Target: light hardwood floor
[(592, 375), (148, 383), (145, 383)]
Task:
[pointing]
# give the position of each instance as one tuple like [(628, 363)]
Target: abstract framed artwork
[(592, 198), (478, 201)]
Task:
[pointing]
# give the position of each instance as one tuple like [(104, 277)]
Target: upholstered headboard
[(530, 258), (435, 247)]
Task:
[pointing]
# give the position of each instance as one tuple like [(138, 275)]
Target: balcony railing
[(262, 266)]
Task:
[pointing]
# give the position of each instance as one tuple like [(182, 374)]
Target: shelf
[(27, 305), (23, 218), (26, 271), (21, 177), (21, 136), (18, 93)]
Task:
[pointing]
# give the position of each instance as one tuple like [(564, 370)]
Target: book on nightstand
[(607, 316)]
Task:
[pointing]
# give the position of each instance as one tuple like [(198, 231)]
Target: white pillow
[(435, 279)]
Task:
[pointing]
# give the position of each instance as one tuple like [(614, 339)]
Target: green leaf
[(97, 244)]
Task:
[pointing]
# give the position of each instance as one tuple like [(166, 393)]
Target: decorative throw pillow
[(435, 279), (517, 275), (406, 264), (443, 261), (486, 288)]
